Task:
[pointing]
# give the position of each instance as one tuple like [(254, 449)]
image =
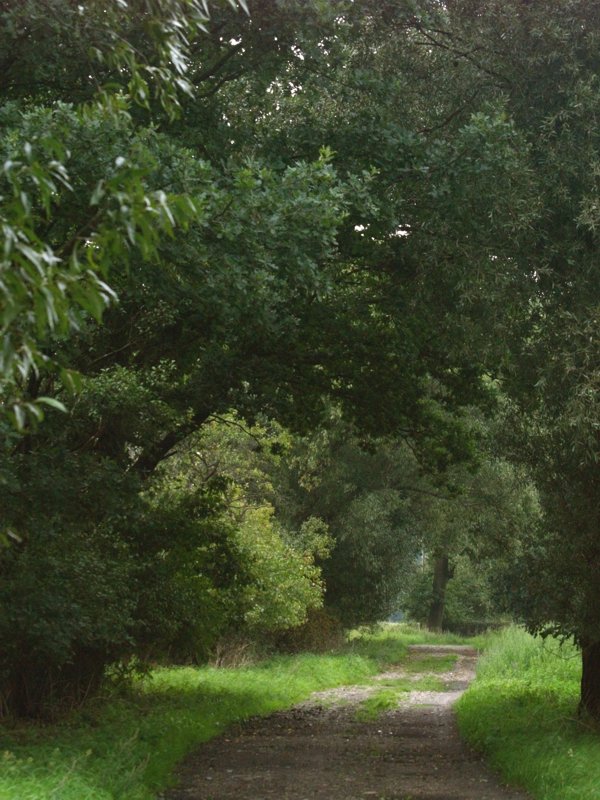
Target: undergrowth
[(125, 747), (522, 713)]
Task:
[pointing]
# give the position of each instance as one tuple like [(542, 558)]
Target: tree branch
[(466, 54)]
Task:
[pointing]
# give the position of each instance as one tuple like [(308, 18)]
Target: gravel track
[(319, 751)]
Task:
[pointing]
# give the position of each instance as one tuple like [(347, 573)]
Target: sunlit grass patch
[(372, 707), (389, 642)]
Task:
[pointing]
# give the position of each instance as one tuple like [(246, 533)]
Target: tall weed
[(522, 713)]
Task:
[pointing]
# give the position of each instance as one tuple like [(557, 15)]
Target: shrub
[(322, 631), (67, 613)]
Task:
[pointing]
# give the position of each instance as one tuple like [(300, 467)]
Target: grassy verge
[(522, 713), (125, 748)]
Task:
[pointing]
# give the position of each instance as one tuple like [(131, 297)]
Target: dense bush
[(97, 577), (322, 631), (68, 611)]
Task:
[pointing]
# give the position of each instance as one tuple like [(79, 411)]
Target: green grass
[(426, 663), (391, 692), (522, 713), (125, 748), (389, 642), (375, 705)]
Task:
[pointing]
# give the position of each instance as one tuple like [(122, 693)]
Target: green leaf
[(52, 402), (19, 416), (71, 380)]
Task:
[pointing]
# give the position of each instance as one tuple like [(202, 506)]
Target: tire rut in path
[(319, 751)]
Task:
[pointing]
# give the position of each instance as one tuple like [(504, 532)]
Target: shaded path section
[(318, 750)]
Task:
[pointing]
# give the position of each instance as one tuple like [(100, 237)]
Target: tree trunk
[(158, 451), (441, 576), (590, 680)]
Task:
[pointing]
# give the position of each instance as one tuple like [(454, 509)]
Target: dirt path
[(320, 750)]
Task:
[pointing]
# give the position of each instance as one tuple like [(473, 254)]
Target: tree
[(371, 494), (179, 344), (305, 276), (71, 75), (471, 534), (422, 251), (330, 478), (543, 58)]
